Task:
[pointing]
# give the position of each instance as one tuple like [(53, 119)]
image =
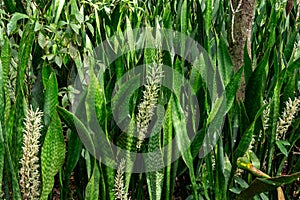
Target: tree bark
[(242, 17)]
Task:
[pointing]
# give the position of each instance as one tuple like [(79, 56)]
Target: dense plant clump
[(129, 99)]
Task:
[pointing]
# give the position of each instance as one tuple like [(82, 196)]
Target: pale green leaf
[(12, 25)]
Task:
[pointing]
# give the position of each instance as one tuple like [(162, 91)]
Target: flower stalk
[(119, 183), (286, 119), (149, 101), (29, 172)]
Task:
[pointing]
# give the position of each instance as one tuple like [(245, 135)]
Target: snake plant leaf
[(4, 72), (75, 125), (224, 62), (92, 188), (15, 185), (51, 98), (53, 155), (2, 153), (183, 141)]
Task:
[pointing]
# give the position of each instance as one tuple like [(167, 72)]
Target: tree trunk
[(242, 18)]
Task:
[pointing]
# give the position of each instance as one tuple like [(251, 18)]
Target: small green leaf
[(91, 28), (42, 40), (58, 60), (12, 25), (184, 17), (79, 17), (37, 26), (280, 144), (73, 52), (254, 160), (208, 16), (75, 28)]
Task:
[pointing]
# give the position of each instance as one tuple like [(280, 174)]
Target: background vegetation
[(46, 44)]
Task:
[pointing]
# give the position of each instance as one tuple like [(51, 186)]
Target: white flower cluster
[(266, 118), (119, 183), (266, 114), (148, 104), (29, 172), (290, 111)]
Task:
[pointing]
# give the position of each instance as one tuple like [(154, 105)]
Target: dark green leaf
[(224, 62), (280, 145), (255, 87), (260, 185), (231, 89), (74, 151), (2, 152)]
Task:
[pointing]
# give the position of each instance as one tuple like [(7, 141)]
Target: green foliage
[(46, 48)]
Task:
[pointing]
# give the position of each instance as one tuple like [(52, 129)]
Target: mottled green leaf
[(52, 156), (167, 139), (5, 103), (92, 188), (183, 141), (2, 151), (51, 98), (231, 89), (16, 193)]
